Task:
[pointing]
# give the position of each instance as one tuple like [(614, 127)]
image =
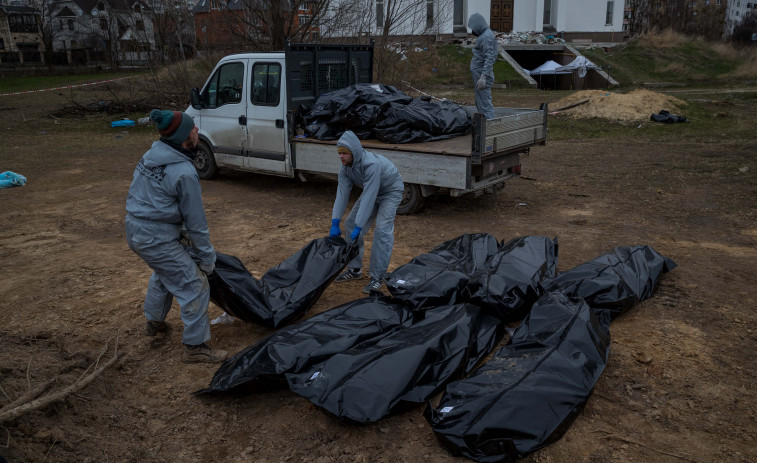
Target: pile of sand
[(635, 106)]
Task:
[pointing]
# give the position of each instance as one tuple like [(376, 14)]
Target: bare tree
[(391, 23), (745, 30), (267, 24), (689, 17), (43, 17), (637, 14), (173, 26)]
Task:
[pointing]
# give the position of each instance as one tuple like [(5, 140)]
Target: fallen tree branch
[(29, 396), (407, 84), (568, 107), (8, 413), (6, 395)]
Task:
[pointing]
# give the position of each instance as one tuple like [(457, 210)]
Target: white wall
[(569, 15), (528, 15), (588, 16)]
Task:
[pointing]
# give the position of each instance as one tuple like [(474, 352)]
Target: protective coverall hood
[(477, 24), (350, 141), (162, 157)]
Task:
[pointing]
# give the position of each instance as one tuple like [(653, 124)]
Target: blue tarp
[(9, 179)]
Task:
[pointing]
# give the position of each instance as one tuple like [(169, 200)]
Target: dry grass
[(726, 50), (748, 69), (676, 68), (666, 38)]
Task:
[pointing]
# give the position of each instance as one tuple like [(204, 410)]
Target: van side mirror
[(194, 98)]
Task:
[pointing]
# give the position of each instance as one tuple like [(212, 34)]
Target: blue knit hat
[(173, 126)]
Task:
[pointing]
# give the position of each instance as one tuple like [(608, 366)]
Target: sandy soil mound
[(635, 106)]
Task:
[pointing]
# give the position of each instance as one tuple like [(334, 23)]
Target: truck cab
[(242, 116), (245, 110)]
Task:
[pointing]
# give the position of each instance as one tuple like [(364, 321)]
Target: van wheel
[(412, 200), (204, 162)]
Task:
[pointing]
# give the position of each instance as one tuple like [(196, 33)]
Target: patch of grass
[(450, 65), (10, 84), (670, 57)]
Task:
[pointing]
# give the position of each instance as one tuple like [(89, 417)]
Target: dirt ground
[(679, 385)]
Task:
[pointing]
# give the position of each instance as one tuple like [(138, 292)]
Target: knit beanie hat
[(173, 126)]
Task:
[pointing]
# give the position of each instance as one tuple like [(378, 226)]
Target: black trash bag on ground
[(422, 120), (439, 277), (614, 281), (368, 381), (296, 348), (286, 291), (667, 118), (529, 393), (510, 281)]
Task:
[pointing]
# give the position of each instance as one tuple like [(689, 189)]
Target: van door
[(266, 120), (224, 109)]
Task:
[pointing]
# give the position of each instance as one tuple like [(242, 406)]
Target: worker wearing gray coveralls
[(382, 192), (164, 203), (482, 65)]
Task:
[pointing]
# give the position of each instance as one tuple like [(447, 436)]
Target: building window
[(429, 14), (140, 25), (608, 18), (379, 14), (717, 2), (103, 24), (2, 44), (70, 24)]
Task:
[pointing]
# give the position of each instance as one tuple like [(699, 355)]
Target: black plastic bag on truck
[(614, 281), (285, 292), (368, 381), (439, 277), (527, 395), (356, 108), (510, 281), (297, 347), (421, 120)]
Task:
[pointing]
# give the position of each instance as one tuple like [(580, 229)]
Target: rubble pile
[(505, 38)]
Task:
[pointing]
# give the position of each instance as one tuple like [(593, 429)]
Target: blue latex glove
[(355, 233), (335, 231)]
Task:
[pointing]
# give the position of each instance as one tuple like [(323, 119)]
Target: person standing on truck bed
[(165, 203), (482, 65), (382, 193)]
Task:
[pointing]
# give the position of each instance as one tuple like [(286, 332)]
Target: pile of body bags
[(382, 112), (447, 311)]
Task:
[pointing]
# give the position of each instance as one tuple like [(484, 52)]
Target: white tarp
[(549, 68), (580, 64)]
